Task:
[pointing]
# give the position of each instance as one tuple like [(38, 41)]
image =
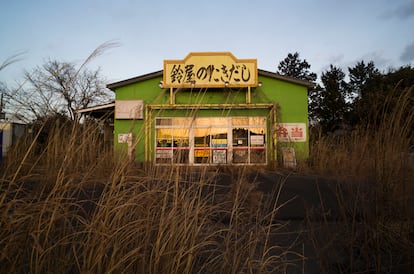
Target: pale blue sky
[(324, 32)]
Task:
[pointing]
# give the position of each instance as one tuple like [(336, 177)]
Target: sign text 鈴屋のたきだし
[(210, 69)]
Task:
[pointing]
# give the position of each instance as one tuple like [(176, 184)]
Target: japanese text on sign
[(291, 132), (210, 70)]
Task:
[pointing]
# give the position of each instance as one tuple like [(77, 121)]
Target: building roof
[(159, 73), (285, 78), (100, 111), (133, 80)]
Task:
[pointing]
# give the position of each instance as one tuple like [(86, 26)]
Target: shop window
[(181, 122), (240, 145), (257, 145), (249, 143), (163, 122), (172, 144), (209, 140), (181, 156), (257, 121), (219, 145), (202, 145), (164, 143), (257, 156), (181, 145), (240, 121)]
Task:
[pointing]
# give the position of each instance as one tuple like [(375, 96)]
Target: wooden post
[(248, 95), (131, 147), (172, 96)]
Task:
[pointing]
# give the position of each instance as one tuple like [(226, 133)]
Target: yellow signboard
[(201, 153), (210, 69)]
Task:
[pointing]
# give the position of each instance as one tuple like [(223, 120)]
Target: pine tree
[(293, 66)]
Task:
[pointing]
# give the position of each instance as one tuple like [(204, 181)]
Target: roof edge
[(94, 108), (159, 73), (122, 83), (286, 78)]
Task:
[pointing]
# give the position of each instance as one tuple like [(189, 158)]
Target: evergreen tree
[(360, 77), (364, 82), (329, 102), (293, 66)]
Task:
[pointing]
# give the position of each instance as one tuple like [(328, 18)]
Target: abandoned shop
[(211, 108)]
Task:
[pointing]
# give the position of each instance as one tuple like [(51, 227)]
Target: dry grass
[(375, 232), (67, 206)]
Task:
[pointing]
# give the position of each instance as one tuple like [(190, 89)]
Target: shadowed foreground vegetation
[(67, 205), (374, 166)]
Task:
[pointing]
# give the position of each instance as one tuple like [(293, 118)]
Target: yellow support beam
[(210, 106), (172, 96), (248, 95)]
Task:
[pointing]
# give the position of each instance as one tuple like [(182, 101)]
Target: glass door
[(219, 145), (201, 145), (211, 140)]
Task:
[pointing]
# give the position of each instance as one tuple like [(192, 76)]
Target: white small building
[(9, 133)]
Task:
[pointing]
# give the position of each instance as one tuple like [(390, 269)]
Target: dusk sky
[(324, 32)]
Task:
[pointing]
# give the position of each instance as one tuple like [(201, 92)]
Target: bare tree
[(59, 88)]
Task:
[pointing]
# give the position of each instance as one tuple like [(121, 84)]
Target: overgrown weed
[(67, 206), (376, 229)]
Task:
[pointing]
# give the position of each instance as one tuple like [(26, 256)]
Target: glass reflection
[(257, 121), (211, 121), (163, 121), (240, 121), (210, 141)]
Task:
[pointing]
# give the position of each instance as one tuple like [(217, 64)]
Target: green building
[(211, 108)]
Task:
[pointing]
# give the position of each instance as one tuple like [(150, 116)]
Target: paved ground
[(299, 194), (305, 220), (310, 210), (309, 222)]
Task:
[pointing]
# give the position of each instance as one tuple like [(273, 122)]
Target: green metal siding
[(148, 91), (293, 102), (290, 97)]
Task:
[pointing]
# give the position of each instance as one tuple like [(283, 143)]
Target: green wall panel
[(290, 97)]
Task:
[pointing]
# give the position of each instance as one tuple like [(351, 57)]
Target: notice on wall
[(129, 109), (291, 132), (122, 138), (210, 69)]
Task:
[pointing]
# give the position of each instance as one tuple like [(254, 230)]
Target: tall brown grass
[(67, 206), (374, 168)]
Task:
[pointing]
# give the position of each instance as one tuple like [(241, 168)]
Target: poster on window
[(164, 154), (202, 153), (257, 140), (291, 132), (219, 156), (219, 142)]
